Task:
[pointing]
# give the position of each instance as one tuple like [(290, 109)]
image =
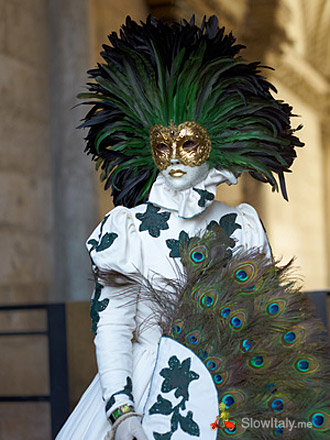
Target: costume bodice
[(145, 239)]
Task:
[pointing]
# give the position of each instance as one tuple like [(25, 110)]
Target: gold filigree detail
[(188, 142)]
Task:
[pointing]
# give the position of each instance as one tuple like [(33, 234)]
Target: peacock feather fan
[(155, 73), (255, 331)]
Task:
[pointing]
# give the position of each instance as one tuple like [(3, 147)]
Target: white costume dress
[(145, 238)]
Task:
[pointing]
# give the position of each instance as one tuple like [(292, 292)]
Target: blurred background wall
[(51, 198)]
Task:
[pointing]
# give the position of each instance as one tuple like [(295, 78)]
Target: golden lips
[(177, 173), (188, 142)]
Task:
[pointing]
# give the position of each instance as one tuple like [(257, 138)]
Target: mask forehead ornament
[(188, 142)]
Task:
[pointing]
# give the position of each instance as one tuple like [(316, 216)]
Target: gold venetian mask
[(188, 142)]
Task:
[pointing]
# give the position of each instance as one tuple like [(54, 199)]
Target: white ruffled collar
[(189, 202)]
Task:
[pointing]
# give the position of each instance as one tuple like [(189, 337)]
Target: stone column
[(25, 177), (75, 204), (26, 214)]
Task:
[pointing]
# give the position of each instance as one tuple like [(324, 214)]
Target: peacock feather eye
[(198, 254), (320, 420), (306, 365), (233, 397), (178, 327), (203, 354), (224, 312), (213, 363), (303, 365), (218, 379), (228, 400), (277, 405), (208, 299), (245, 272), (317, 420), (193, 338), (197, 257), (279, 431), (237, 321), (291, 337), (246, 345), (257, 361), (275, 307)]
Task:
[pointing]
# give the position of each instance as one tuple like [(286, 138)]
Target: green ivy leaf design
[(97, 306), (153, 221), (225, 227), (126, 390), (106, 241), (175, 420), (103, 242), (227, 222), (178, 376), (188, 425), (165, 436), (204, 196), (93, 242), (162, 406), (175, 245), (103, 223)]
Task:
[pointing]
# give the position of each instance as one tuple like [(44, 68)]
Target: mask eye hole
[(189, 145), (162, 148)]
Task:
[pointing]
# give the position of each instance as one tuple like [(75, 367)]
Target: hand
[(128, 429)]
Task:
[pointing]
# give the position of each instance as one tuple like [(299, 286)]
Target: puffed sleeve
[(253, 231), (115, 244)]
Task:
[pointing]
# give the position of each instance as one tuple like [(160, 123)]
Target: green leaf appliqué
[(188, 424), (126, 390), (228, 223), (204, 196), (97, 306), (153, 221), (174, 245), (177, 377), (228, 227), (106, 241), (162, 406), (103, 242)]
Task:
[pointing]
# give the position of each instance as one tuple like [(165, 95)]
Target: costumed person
[(190, 312)]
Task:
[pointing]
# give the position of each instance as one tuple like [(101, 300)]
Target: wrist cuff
[(118, 412)]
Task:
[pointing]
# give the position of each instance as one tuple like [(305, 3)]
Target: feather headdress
[(155, 73)]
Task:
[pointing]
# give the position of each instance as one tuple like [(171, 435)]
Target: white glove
[(128, 429)]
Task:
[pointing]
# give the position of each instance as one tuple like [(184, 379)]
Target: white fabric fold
[(190, 202)]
